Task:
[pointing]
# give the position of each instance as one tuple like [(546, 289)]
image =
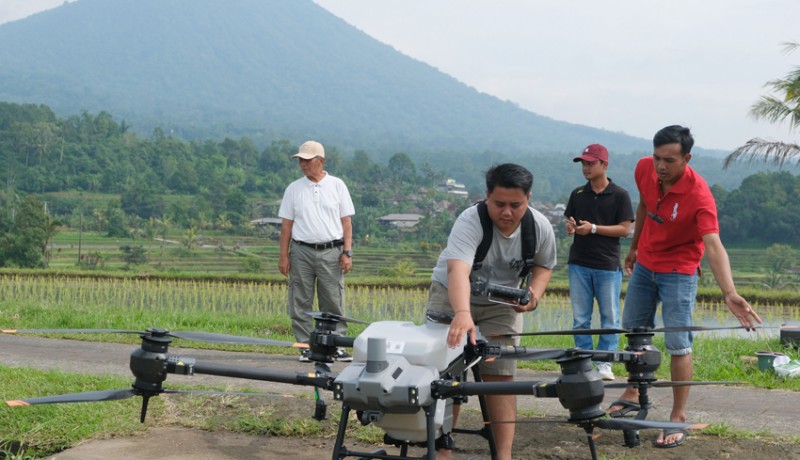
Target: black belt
[(321, 246)]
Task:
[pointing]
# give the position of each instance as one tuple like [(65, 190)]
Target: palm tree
[(775, 110)]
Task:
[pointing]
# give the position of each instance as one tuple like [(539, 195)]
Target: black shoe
[(305, 355), (343, 356)]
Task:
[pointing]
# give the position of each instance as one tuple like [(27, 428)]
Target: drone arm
[(614, 356), (188, 366), (443, 389), (343, 341)]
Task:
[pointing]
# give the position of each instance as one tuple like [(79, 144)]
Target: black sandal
[(627, 406)]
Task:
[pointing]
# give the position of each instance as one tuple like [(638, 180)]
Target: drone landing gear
[(641, 373), (486, 431), (589, 429), (340, 451), (432, 443)]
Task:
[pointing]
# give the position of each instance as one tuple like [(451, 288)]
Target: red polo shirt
[(687, 212)]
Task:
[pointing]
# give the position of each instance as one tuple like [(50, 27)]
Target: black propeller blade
[(68, 331), (330, 316), (633, 424), (609, 423), (670, 384), (187, 335), (117, 395), (603, 331), (89, 396), (224, 338)]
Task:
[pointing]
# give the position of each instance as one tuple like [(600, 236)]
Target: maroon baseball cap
[(592, 153)]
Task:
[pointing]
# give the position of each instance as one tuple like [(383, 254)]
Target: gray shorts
[(489, 319)]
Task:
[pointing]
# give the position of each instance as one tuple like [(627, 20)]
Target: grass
[(29, 433), (53, 426), (256, 309)]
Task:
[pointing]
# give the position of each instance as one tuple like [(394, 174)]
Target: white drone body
[(394, 364)]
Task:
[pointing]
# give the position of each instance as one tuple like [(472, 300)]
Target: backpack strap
[(528, 239), (488, 231), (528, 243)]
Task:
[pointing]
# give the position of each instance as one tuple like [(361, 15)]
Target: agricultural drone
[(404, 379)]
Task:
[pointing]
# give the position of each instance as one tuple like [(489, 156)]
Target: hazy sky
[(624, 65)]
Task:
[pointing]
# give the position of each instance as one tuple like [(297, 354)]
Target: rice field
[(248, 308)]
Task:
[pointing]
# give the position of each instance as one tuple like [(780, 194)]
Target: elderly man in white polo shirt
[(316, 243)]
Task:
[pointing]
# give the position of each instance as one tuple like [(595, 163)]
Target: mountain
[(265, 69)]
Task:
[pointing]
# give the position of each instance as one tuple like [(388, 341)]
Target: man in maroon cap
[(598, 214)]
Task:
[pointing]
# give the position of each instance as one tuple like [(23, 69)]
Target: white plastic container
[(424, 345), (422, 353)]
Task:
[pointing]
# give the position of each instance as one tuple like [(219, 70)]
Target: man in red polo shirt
[(676, 221)]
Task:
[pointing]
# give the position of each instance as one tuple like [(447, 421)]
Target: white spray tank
[(394, 363)]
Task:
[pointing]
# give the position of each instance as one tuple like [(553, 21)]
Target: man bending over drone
[(452, 291)]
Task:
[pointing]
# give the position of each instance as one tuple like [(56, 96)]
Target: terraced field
[(221, 255)]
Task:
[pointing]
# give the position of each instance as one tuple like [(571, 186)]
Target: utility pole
[(80, 236)]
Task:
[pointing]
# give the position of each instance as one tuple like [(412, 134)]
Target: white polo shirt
[(317, 208)]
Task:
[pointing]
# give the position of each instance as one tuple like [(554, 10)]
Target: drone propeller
[(633, 424), (670, 384), (187, 335), (608, 423), (323, 315), (89, 396), (68, 331), (118, 395), (603, 331), (532, 354)]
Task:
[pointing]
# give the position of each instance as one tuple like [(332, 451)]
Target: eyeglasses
[(655, 217)]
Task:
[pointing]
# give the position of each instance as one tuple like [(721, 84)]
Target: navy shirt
[(609, 207)]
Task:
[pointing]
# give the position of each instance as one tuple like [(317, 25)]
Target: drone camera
[(369, 416)]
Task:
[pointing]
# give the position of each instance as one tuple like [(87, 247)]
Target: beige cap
[(309, 150)]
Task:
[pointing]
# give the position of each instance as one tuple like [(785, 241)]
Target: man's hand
[(284, 265), (345, 263), (530, 306), (742, 311), (630, 261), (570, 225), (462, 324)]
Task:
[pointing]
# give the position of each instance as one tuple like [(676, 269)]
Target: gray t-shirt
[(504, 261)]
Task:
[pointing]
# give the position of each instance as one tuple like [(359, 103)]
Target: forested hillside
[(94, 169)]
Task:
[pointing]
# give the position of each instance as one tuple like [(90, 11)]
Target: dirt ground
[(772, 414), (533, 441)]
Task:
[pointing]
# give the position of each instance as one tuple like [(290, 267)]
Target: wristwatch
[(594, 229), (348, 253)]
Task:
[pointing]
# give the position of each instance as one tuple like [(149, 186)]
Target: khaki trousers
[(314, 270)]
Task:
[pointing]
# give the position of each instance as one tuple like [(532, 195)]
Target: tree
[(140, 199), (402, 168), (133, 255), (24, 240), (785, 106)]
